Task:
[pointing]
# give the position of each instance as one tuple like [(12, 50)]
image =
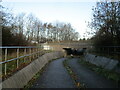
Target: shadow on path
[(55, 76)]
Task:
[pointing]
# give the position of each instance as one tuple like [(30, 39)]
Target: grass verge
[(73, 75)]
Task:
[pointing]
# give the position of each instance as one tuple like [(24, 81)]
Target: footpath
[(88, 77), (55, 76)]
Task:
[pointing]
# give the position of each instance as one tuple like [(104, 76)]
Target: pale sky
[(49, 0), (75, 12)]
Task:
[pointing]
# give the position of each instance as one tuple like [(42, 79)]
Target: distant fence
[(28, 54), (107, 51), (110, 51)]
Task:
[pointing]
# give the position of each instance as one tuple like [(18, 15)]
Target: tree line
[(106, 25), (25, 29)]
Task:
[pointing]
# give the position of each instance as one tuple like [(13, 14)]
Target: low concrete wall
[(104, 62), (22, 77)]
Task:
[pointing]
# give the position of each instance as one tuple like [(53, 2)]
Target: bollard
[(5, 60)]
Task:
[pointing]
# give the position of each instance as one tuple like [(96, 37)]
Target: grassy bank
[(112, 75)]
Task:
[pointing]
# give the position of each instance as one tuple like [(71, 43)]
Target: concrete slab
[(111, 65)]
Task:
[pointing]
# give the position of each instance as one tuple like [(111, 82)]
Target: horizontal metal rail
[(33, 51), (48, 44), (108, 46), (17, 58), (21, 47)]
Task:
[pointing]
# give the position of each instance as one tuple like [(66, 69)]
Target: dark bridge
[(72, 51)]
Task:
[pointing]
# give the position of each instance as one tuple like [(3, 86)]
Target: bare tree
[(106, 18)]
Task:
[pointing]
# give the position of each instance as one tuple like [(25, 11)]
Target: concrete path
[(55, 76), (88, 77)]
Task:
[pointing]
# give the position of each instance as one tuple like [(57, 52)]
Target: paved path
[(54, 76), (88, 77)]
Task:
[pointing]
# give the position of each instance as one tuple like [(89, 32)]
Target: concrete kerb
[(91, 58), (101, 61), (111, 65), (104, 62), (22, 77)]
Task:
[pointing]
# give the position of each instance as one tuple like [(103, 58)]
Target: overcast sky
[(75, 12)]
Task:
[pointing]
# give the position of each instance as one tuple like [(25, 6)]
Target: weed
[(73, 75)]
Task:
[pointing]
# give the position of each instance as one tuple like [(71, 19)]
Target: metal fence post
[(36, 52), (39, 51), (114, 50), (30, 54), (17, 57), (33, 52), (24, 54), (108, 50), (5, 60)]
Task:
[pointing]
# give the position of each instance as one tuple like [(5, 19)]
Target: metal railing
[(29, 51), (109, 51)]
